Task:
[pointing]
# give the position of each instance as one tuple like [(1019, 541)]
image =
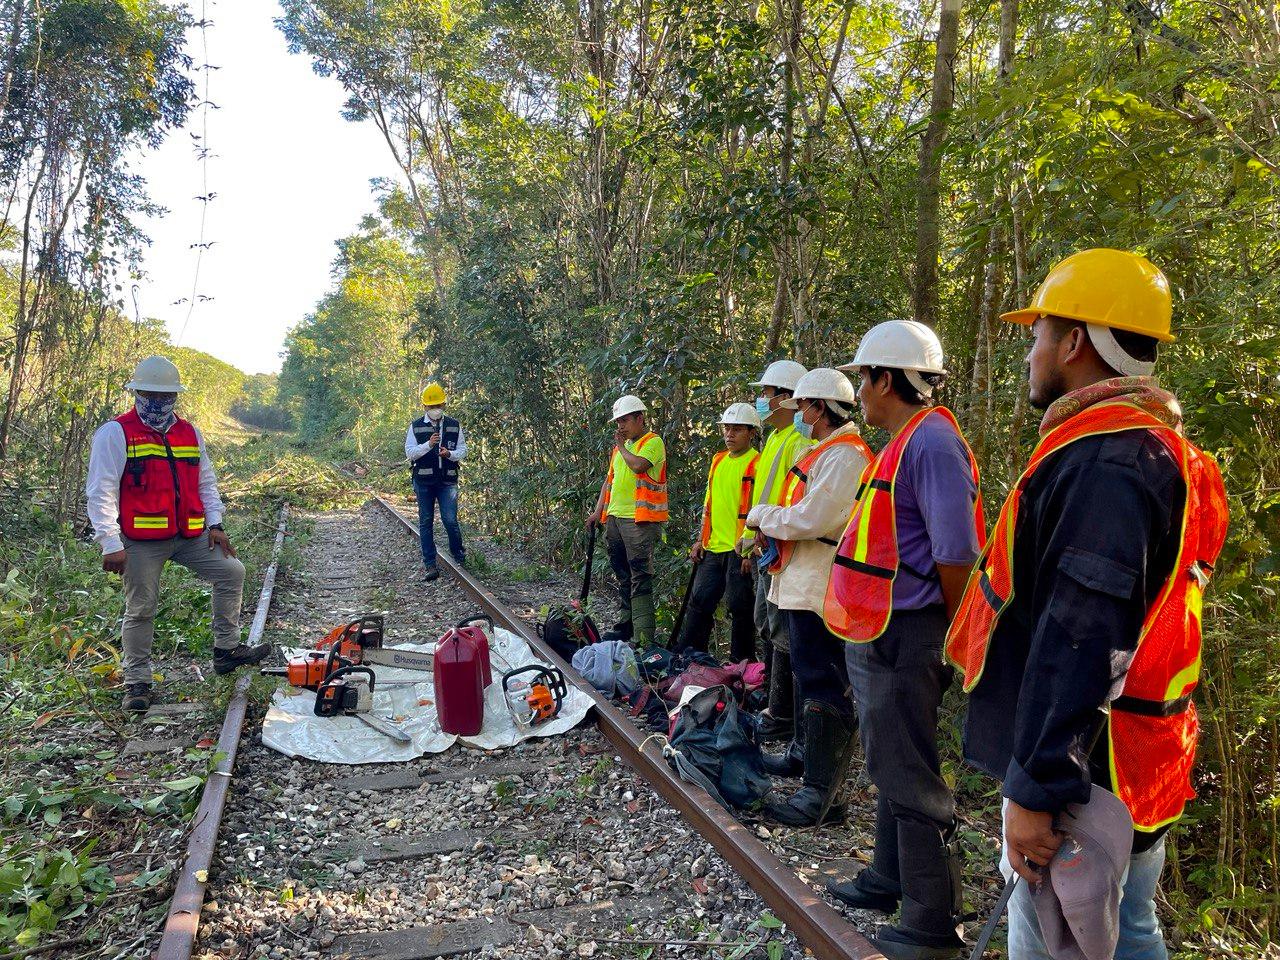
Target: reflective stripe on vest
[(160, 485), (1152, 725), (797, 479), (859, 596), (651, 491), (744, 497)]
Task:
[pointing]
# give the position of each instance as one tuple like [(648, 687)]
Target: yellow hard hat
[(433, 395), (1112, 288)]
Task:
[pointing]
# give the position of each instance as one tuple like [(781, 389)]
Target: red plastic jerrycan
[(458, 670), (480, 629)]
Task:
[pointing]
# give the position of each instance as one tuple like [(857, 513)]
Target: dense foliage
[(660, 195)]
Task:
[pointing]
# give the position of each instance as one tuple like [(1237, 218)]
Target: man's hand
[(696, 552), (619, 438), (444, 452), (1031, 839), (434, 440), (219, 538), (593, 517), (114, 562), (746, 566)]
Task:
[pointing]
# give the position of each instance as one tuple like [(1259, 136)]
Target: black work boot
[(137, 697), (827, 734), (777, 721), (431, 573), (225, 661), (621, 630), (928, 926), (789, 763), (877, 887)]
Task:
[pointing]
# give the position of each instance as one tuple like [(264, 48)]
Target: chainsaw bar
[(384, 727), (393, 657)]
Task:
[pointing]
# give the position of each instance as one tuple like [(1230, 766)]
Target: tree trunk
[(925, 295)]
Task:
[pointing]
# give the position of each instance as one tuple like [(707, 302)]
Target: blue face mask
[(762, 407), (804, 429), (156, 412)]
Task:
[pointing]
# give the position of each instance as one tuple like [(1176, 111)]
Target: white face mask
[(435, 413)]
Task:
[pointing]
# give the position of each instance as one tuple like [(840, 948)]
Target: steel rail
[(816, 924), (179, 938)]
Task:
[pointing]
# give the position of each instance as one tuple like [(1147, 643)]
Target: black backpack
[(567, 628)]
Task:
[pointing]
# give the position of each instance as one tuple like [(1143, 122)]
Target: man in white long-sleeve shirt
[(806, 524), (153, 497), (434, 446)]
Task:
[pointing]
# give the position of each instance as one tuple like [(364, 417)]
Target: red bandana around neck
[(1143, 392)]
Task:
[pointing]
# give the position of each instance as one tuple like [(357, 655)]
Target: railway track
[(579, 845)]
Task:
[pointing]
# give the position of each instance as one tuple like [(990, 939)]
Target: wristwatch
[(215, 526)]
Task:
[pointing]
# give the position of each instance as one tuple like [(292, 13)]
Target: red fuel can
[(459, 669)]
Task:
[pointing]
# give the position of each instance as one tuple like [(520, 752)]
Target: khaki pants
[(146, 558)]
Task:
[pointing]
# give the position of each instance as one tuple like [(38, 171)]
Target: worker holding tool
[(434, 446), (1081, 622), (897, 577), (152, 497), (632, 506), (816, 499), (722, 569), (782, 448)]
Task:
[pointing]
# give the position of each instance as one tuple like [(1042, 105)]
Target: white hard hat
[(906, 345), (627, 403), (822, 383), (157, 374), (781, 374), (743, 414)]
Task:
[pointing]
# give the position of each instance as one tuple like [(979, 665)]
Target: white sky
[(291, 177)]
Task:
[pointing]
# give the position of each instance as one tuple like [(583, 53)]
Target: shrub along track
[(552, 848)]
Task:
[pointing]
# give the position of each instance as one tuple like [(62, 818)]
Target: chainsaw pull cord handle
[(351, 669)]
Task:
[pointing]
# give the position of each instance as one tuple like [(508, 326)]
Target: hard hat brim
[(1029, 315), (155, 388)]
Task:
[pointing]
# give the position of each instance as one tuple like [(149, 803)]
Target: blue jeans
[(446, 496), (1140, 935)]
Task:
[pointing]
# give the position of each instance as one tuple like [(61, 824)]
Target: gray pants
[(771, 625), (146, 558), (630, 548)]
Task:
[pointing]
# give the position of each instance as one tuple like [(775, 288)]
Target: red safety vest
[(1152, 727), (651, 491), (860, 592), (160, 486), (744, 498), (793, 487)]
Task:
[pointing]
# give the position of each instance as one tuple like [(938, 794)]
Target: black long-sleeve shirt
[(1097, 536)]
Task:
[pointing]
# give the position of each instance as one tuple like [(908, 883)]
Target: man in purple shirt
[(898, 677)]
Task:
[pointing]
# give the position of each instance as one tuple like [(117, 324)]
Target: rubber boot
[(877, 887), (619, 631), (642, 620), (930, 865), (789, 763), (777, 721), (827, 734)]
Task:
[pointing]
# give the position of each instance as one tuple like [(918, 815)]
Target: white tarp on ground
[(292, 727)]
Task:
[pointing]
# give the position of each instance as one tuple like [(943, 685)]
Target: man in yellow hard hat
[(1079, 632), (434, 446), (152, 497)]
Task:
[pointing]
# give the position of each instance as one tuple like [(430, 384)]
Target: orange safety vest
[(860, 592), (1151, 726), (651, 492), (793, 487), (744, 498), (160, 486)]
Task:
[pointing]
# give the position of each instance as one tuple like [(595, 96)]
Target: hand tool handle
[(684, 605), (591, 552)]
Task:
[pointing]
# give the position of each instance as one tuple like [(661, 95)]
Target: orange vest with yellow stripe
[(651, 491), (160, 487), (744, 497), (797, 480), (859, 597), (1152, 727)]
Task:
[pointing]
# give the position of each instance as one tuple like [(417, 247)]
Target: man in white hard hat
[(153, 497), (723, 570), (898, 576), (632, 505), (817, 495), (782, 448)]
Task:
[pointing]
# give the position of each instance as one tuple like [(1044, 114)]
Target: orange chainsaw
[(537, 699), (358, 643)]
